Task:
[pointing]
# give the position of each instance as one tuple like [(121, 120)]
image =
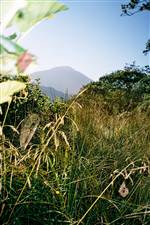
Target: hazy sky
[(91, 37)]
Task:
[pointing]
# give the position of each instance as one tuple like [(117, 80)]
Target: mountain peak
[(62, 78), (63, 67)]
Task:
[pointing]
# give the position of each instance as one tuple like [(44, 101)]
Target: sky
[(91, 37)]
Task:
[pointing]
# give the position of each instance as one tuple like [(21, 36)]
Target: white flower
[(123, 190)]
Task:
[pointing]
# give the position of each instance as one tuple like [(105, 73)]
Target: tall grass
[(75, 172)]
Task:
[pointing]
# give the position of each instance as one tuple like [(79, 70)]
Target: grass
[(72, 175)]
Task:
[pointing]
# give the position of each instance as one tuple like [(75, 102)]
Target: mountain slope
[(64, 79), (53, 93)]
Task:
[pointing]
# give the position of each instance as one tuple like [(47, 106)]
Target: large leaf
[(8, 64), (34, 12), (8, 10), (8, 88)]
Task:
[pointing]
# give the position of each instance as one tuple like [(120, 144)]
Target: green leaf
[(12, 36), (9, 46), (8, 88), (35, 12), (2, 49)]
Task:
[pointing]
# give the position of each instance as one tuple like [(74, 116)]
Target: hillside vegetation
[(84, 161)]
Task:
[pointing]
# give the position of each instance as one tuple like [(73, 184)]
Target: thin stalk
[(6, 114)]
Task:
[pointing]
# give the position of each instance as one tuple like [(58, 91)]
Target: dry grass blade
[(13, 128), (0, 173)]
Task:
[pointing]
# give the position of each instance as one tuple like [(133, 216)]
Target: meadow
[(84, 161)]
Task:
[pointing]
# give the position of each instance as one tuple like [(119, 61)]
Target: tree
[(147, 49), (136, 6), (122, 90)]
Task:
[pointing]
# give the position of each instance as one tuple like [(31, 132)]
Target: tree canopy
[(122, 90), (135, 6)]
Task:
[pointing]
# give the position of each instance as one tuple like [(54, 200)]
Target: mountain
[(64, 79), (53, 93)]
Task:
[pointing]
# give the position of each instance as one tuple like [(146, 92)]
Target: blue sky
[(91, 37)]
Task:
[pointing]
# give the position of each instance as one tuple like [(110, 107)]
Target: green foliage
[(9, 46), (112, 137), (147, 49), (72, 163), (25, 103), (72, 172), (65, 181), (122, 90), (135, 6)]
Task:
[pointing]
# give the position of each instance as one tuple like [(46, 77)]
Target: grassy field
[(84, 165)]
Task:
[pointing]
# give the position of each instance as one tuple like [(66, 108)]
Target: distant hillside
[(53, 93), (64, 79)]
